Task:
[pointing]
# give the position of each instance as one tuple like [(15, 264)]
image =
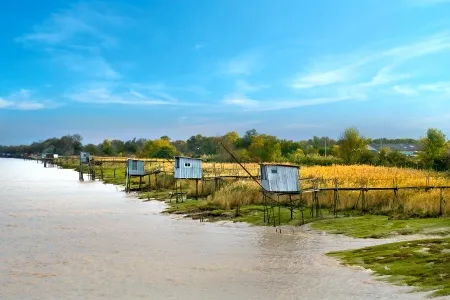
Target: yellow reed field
[(411, 202), (373, 176)]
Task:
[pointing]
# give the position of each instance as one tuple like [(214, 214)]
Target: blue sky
[(289, 68)]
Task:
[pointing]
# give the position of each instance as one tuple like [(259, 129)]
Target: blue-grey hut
[(187, 168), (278, 178)]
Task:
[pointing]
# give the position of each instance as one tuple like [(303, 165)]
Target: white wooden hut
[(187, 168), (135, 167), (84, 157), (278, 178)]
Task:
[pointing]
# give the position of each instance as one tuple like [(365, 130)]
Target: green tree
[(351, 146), (433, 147), (383, 156), (334, 150), (297, 156), (107, 147), (161, 148), (91, 148)]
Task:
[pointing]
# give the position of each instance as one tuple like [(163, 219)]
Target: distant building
[(187, 168), (278, 178), (405, 149)]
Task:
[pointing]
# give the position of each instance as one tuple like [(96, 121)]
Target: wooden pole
[(441, 200), (265, 205), (196, 189), (292, 208)]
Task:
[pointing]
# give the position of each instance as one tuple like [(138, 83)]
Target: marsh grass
[(423, 264), (376, 226)]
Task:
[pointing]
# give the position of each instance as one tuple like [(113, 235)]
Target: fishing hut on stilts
[(280, 181), (186, 168), (277, 181), (135, 168), (85, 160)]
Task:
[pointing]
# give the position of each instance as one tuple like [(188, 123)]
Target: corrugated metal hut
[(277, 178), (135, 167), (187, 168), (84, 157)]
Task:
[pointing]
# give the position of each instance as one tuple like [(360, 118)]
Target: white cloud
[(426, 2), (107, 93), (241, 65), (4, 103), (29, 106), (243, 86), (405, 90), (358, 78), (268, 105), (21, 100), (437, 87), (241, 101), (426, 46), (88, 65), (75, 38), (316, 79), (384, 76), (79, 23)]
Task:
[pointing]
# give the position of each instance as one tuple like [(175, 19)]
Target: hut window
[(274, 171), (177, 163), (134, 165), (187, 165)]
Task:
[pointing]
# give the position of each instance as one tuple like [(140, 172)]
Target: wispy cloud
[(316, 79), (361, 77), (241, 65), (23, 100), (269, 105), (425, 2), (404, 90), (243, 86), (438, 87), (241, 101), (88, 65), (135, 94), (385, 76), (426, 46), (76, 37), (4, 103), (105, 95), (78, 24)]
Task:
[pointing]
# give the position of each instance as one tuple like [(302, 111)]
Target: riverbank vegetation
[(376, 226), (430, 152), (423, 264), (230, 193)]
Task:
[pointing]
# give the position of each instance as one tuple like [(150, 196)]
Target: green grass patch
[(251, 214), (375, 226), (424, 264)]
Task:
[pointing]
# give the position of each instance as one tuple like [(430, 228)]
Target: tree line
[(350, 148)]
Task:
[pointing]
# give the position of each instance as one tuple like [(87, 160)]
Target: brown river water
[(65, 239)]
